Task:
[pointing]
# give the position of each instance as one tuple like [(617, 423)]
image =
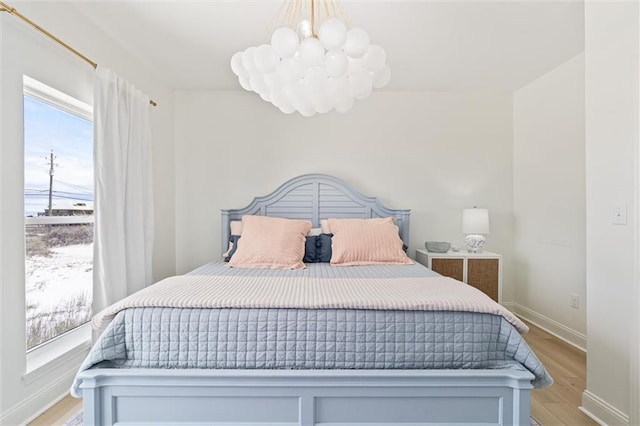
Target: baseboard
[(57, 376), (601, 411), (553, 327), (40, 401)]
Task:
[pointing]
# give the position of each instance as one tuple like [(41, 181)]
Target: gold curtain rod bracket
[(4, 7)]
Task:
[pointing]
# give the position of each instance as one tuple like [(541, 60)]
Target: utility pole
[(51, 169)]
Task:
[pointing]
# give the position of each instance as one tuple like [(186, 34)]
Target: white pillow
[(236, 227)]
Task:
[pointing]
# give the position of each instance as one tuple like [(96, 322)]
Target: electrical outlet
[(619, 214), (575, 301)]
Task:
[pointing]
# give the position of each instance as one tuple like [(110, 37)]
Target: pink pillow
[(271, 242), (366, 242)]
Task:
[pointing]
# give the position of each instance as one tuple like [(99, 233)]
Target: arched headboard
[(315, 197)]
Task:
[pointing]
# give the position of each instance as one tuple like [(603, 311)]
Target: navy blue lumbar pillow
[(323, 248), (318, 249), (310, 250)]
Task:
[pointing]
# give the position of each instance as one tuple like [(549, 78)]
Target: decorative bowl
[(437, 246)]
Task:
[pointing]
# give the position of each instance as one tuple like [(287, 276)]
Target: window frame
[(40, 358)]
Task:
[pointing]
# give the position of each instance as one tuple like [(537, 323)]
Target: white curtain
[(123, 230)]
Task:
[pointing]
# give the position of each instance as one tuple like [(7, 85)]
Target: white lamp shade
[(475, 221)]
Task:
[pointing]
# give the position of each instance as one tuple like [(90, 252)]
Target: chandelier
[(313, 72)]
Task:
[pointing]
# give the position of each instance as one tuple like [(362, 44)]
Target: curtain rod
[(12, 11)]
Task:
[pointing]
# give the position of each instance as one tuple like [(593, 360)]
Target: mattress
[(291, 338)]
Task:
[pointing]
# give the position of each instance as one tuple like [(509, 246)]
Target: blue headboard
[(314, 197)]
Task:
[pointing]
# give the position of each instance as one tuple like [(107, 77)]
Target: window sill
[(57, 353)]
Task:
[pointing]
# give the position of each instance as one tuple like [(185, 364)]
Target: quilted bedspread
[(406, 294), (302, 338)]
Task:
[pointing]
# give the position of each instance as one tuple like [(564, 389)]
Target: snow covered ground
[(59, 288)]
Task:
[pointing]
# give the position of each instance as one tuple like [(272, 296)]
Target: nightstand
[(481, 270)]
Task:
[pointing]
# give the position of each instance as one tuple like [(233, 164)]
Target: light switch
[(620, 214)]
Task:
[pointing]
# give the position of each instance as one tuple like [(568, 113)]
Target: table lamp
[(475, 222)]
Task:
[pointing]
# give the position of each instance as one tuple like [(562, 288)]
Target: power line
[(86, 188), (55, 197), (85, 192), (72, 198), (68, 197), (58, 192)]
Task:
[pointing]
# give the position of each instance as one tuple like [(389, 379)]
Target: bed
[(319, 363)]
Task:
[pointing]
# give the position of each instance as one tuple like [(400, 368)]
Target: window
[(58, 202)]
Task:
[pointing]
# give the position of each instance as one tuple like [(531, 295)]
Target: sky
[(47, 128)]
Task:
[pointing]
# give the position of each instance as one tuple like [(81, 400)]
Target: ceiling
[(441, 45)]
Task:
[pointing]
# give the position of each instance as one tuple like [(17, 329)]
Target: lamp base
[(474, 243)]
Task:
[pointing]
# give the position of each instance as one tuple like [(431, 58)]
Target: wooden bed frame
[(308, 397)]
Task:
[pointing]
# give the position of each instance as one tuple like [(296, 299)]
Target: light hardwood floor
[(557, 405), (60, 413)]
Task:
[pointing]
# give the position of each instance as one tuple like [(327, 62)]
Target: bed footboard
[(306, 397)]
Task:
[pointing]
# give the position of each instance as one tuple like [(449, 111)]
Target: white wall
[(549, 200), (435, 153), (612, 88), (23, 51), (2, 295)]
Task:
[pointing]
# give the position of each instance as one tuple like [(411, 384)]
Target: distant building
[(69, 208)]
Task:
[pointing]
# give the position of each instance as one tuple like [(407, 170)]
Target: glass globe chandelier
[(313, 72)]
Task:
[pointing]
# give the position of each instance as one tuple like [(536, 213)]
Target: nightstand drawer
[(453, 268), (484, 275)]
